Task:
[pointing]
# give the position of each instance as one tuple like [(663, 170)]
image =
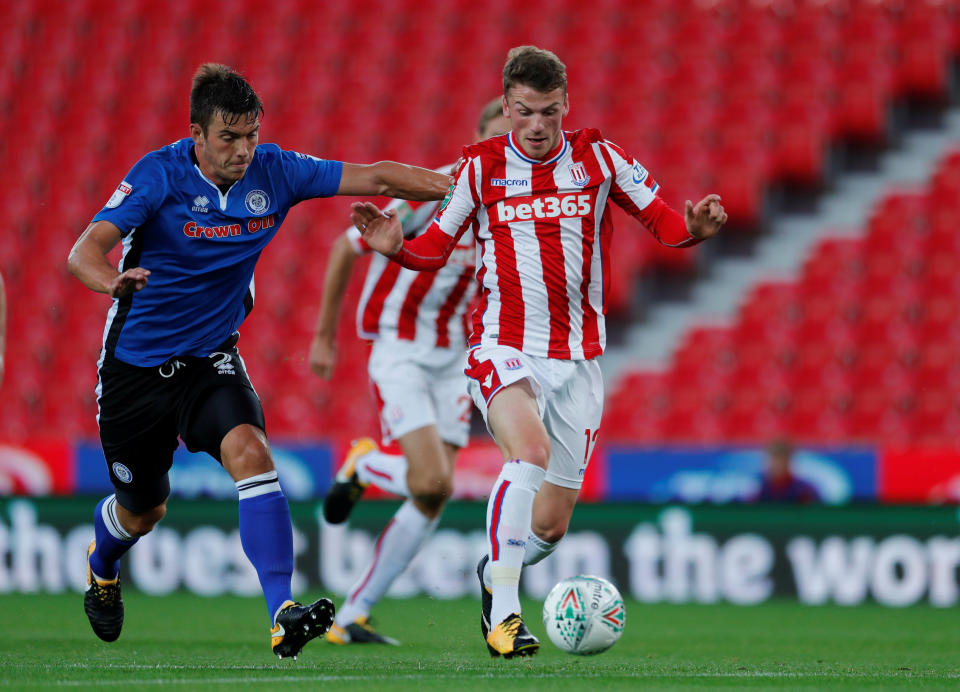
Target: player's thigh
[(505, 387), (402, 389), (138, 432), (220, 398), (573, 419)]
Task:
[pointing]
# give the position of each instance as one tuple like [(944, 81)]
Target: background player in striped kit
[(193, 218), (417, 323), (536, 200)]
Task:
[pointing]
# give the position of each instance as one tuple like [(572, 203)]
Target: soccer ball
[(584, 615)]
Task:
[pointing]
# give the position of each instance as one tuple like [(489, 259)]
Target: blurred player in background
[(193, 218), (779, 483), (417, 322), (537, 202)]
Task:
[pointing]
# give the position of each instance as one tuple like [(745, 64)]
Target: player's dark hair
[(219, 89), (534, 67), (490, 111)]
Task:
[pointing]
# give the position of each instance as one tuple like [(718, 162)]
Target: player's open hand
[(381, 230), (706, 217), (128, 282), (323, 356)]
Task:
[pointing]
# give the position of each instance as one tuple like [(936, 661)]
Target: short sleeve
[(309, 176), (461, 203), (137, 197), (634, 188)]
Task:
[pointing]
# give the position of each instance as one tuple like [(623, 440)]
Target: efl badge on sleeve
[(120, 194)]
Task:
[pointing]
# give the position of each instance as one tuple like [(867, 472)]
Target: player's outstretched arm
[(323, 346), (393, 180), (706, 217), (88, 262)]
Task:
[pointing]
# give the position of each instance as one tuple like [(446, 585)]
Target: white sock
[(535, 551), (395, 548), (508, 525), (386, 471)]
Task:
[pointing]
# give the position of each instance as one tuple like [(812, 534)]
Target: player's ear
[(196, 132), (566, 103), (506, 107)]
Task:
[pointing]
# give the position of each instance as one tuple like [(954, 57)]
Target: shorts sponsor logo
[(120, 194), (579, 174), (512, 364), (201, 204), (122, 472), (256, 202), (395, 414), (509, 182), (224, 363), (546, 207), (519, 543), (488, 381)]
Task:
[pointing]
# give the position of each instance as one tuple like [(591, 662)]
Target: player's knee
[(432, 490), (250, 458), (536, 452)]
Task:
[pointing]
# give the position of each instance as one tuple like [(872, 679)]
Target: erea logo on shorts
[(571, 206)]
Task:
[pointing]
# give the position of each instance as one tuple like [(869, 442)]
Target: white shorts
[(416, 386), (569, 396)]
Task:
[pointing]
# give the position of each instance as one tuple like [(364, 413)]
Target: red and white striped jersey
[(425, 306), (544, 232)]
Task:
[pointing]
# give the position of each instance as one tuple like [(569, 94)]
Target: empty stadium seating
[(862, 347), (728, 96)]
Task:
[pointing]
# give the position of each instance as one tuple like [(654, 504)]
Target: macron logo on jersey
[(547, 207), (509, 182)]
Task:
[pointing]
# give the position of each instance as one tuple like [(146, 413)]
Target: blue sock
[(112, 539), (267, 536)]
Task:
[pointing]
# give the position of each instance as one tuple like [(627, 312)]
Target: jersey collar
[(220, 194), (557, 153)]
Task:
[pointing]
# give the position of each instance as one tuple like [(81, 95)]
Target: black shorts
[(144, 410)]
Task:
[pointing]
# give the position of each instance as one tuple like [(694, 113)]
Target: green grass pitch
[(186, 642)]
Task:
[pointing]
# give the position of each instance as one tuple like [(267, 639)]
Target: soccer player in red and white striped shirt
[(417, 323), (537, 201)]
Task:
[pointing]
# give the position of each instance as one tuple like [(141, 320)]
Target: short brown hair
[(219, 89), (534, 67), (490, 111)]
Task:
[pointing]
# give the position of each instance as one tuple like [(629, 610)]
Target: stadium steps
[(843, 211)]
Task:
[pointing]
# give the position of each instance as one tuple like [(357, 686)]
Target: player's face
[(535, 118), (494, 127), (226, 150)]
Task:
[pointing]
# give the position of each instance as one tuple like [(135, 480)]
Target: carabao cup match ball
[(584, 615)]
